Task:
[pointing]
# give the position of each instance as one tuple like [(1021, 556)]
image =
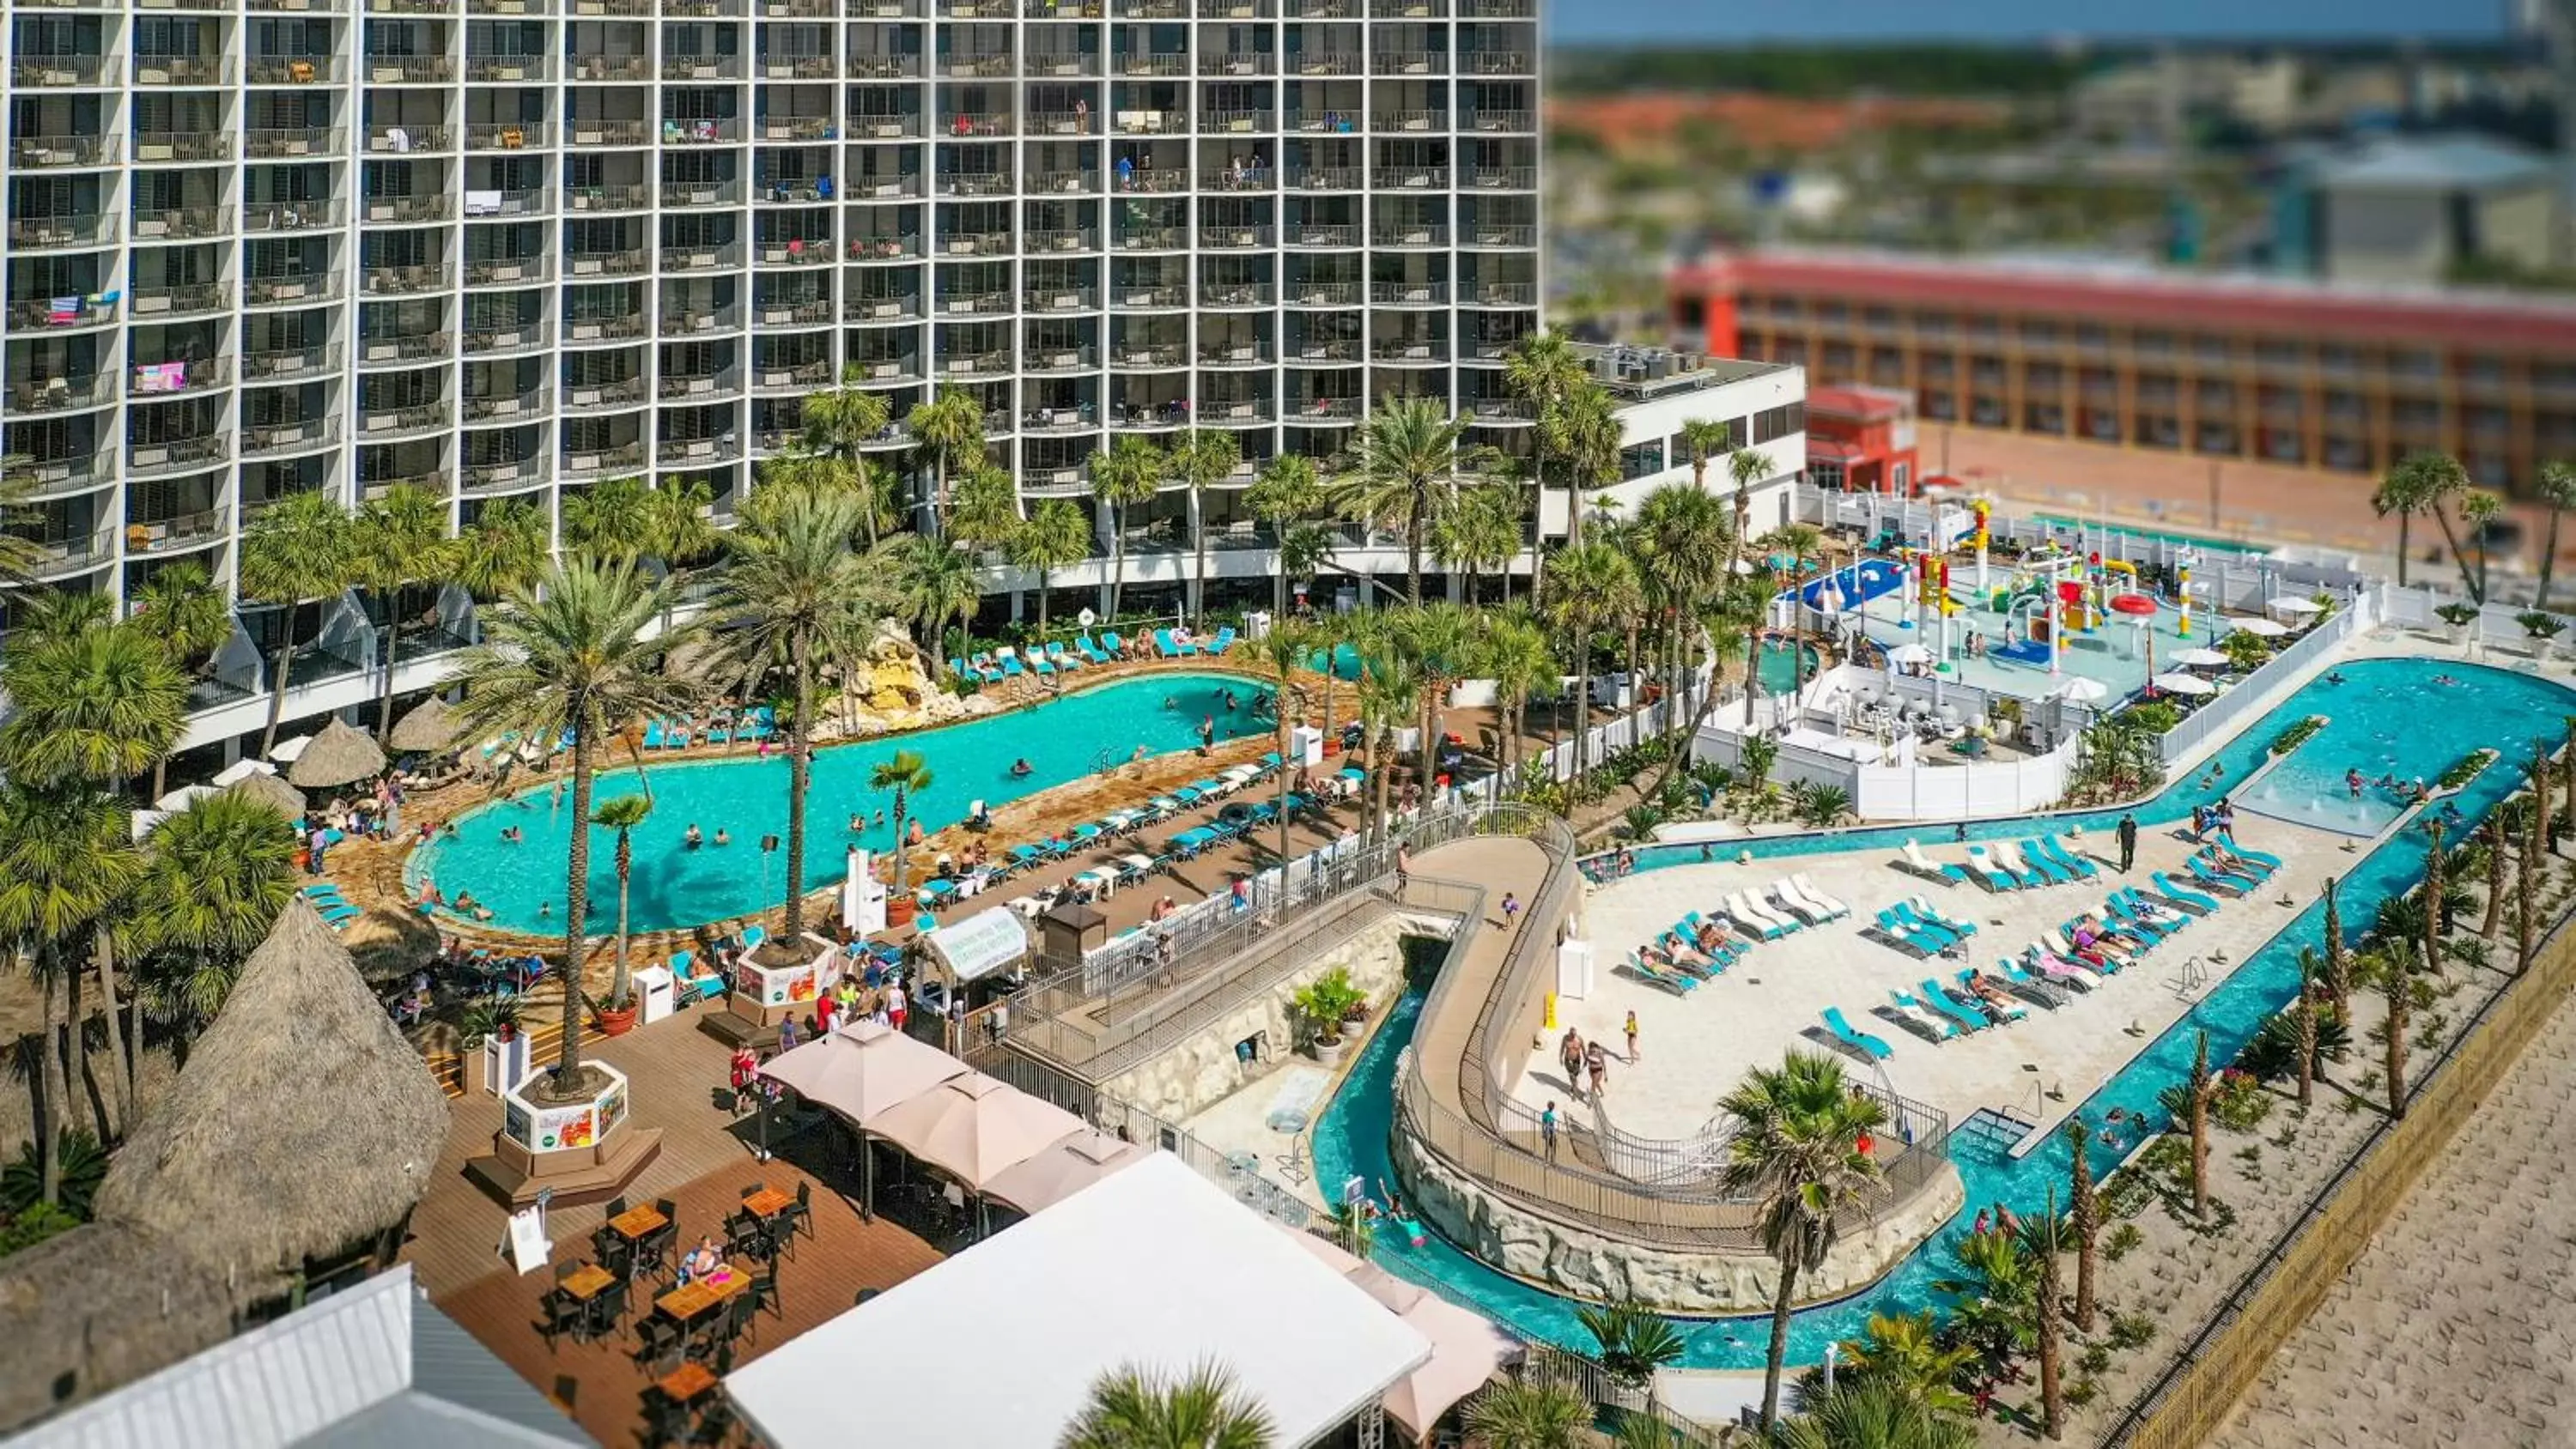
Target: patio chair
[(1063, 660), (1223, 641), (738, 1320), (1111, 644), (563, 1316), (764, 1294), (1090, 651), (607, 1309), (746, 1238), (658, 1341)]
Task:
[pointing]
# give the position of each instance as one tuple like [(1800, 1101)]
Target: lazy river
[(2378, 715), (1064, 739)]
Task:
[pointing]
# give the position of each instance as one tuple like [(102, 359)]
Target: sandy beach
[(2447, 1331)]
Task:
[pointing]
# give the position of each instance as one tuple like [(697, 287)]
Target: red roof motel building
[(2341, 378)]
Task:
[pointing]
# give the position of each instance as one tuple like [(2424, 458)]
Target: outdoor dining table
[(767, 1203), (687, 1384), (583, 1286), (695, 1302), (636, 1222)]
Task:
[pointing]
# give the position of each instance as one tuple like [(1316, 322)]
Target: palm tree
[(1797, 1155), (1800, 544), (614, 520), (180, 609), (20, 556), (1480, 531), (399, 538), (1591, 584), (1684, 535), (65, 858), (2436, 907), (1525, 1414), (1436, 641), (1056, 535), (1542, 370), (2044, 1237), (215, 874), (2478, 508), (795, 595), (950, 430), (1702, 442), (2493, 849), (906, 773), (934, 585), (2416, 487), (1591, 438), (986, 510), (837, 423), (2396, 960), (1404, 471), (1747, 466), (503, 548), (622, 814), (1285, 493), (1285, 651), (1304, 549), (1198, 460), (1907, 1354), (2197, 1089), (1871, 1415), (2086, 1211), (2534, 860), (1390, 693), (92, 710), (1131, 1408), (1513, 653), (296, 549), (2338, 963), (570, 653), (1634, 1341), (2556, 490), (1123, 475), (683, 519), (2307, 1026)]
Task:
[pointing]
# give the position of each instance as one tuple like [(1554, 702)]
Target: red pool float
[(2137, 606)]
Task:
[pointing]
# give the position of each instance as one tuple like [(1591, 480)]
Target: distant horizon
[(2020, 22)]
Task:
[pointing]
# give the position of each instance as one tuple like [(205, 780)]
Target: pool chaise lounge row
[(757, 723), (1913, 925), (1128, 823), (2045, 860)]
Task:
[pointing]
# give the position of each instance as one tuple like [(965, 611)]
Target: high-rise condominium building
[(506, 249)]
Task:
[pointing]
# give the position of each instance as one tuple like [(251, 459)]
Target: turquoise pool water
[(2380, 706), (2176, 537), (1062, 739), (1780, 665)]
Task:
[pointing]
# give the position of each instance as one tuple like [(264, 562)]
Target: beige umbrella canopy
[(1062, 1170), (272, 792), (1466, 1351), (428, 729), (337, 756), (971, 1127), (863, 1070)]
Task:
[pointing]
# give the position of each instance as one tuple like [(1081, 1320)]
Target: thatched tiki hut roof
[(430, 728), (303, 1125), (100, 1306), (272, 792), (338, 756)]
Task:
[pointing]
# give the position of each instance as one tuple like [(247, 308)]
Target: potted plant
[(1326, 1003), (622, 814), (2542, 628), (491, 1017)]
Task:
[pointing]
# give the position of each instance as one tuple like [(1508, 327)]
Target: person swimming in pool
[(1022, 769), (2335, 677), (694, 838), (723, 837), (2445, 679)]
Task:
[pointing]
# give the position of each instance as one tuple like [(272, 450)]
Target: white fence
[(2228, 710), (2497, 626)]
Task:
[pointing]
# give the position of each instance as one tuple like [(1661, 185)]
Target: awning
[(981, 944), (972, 1126), (862, 1070)]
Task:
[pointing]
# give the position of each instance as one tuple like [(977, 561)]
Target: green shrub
[(33, 1226)]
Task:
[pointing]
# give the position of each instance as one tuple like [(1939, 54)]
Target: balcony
[(1061, 183), (671, 452), (701, 258), (521, 336), (800, 67), (378, 425), (1403, 120), (406, 347), (151, 147), (1501, 294), (798, 377), (693, 195), (1514, 237), (53, 477), (1239, 63), (635, 196), (1484, 119), (410, 140), (702, 67), (905, 308), (173, 456), (411, 7), (1323, 294), (1332, 350), (706, 132), (974, 304), (1323, 9), (609, 68), (290, 216), (1151, 9), (795, 251), (604, 326), (1497, 62), (977, 10), (1498, 410), (977, 64), (278, 143), (395, 70), (621, 262), (281, 439), (1241, 123), (1412, 178), (630, 8), (63, 72), (288, 364), (976, 244), (62, 152), (60, 233), (1409, 237), (1056, 359), (406, 210), (1410, 62), (975, 364), (509, 407), (1235, 354), (1150, 356), (1060, 299), (1236, 413), (812, 312), (170, 304), (1325, 63), (1078, 419), (591, 397), (1059, 242), (903, 368), (799, 9), (405, 281), (43, 315), (977, 125), (905, 248), (58, 394), (183, 70), (63, 558), (486, 478), (516, 136), (1501, 178), (176, 535), (1045, 62), (867, 66), (1149, 299), (1410, 349), (293, 70), (283, 291), (507, 69), (1237, 295), (1153, 63), (1409, 294), (686, 322), (583, 464), (1497, 9), (1325, 410), (1220, 237), (1158, 181), (975, 183), (1324, 178)]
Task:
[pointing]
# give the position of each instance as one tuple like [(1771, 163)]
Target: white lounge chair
[(1923, 865), (1992, 875), (1808, 889), (1784, 897), (1769, 924)]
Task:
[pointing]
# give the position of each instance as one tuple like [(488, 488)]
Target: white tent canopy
[(2191, 684), (2292, 604), (240, 770), (2261, 628), (2083, 690), (288, 752), (981, 944), (1153, 1267)]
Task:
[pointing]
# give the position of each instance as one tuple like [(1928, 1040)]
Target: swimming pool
[(1064, 739), (2175, 538), (1779, 672), (2380, 704)]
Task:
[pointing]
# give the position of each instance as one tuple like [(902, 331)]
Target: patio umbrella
[(337, 756), (2201, 659), (862, 1071), (285, 751), (972, 1126), (2083, 690), (2191, 684), (264, 787), (2262, 628), (183, 797), (430, 728), (1909, 654), (1063, 1170), (240, 770), (2292, 604), (1466, 1351)]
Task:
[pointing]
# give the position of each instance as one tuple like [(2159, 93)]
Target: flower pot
[(506, 1031), (1329, 1053), (617, 1020)]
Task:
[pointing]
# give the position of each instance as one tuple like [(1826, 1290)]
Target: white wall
[(1660, 418)]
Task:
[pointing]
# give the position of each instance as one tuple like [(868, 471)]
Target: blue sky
[(2004, 20)]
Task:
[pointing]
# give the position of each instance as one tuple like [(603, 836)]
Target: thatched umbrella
[(272, 792), (303, 1125), (99, 1307), (428, 729), (338, 756)]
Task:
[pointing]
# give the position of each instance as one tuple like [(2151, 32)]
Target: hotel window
[(2038, 333), (2337, 358), (1785, 308), (1940, 407), (1879, 317), (1985, 328), (2277, 354), (1825, 475), (2414, 362), (1772, 424), (1832, 312), (1838, 357), (2210, 349), (2093, 335), (1932, 324), (2155, 344), (1641, 460)]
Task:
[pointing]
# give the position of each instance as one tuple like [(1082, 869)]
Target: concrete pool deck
[(1695, 1048)]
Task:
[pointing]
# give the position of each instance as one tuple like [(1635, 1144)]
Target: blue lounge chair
[(1063, 660), (752, 936), (2001, 1010), (2216, 879), (1653, 975), (1012, 668), (1187, 795), (2029, 986), (2072, 860), (1189, 843), (1223, 641), (1872, 1047), (1037, 661), (1925, 911), (2189, 900), (653, 735), (959, 668), (2048, 871), (1992, 873), (1971, 1017), (1925, 927), (1903, 935), (1941, 1026), (1090, 650), (1110, 643), (936, 893), (1915, 862), (1168, 647), (2269, 863)]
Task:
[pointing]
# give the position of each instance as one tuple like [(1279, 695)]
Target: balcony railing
[(1239, 62), (54, 233), (183, 70), (1499, 236), (273, 143), (1502, 178), (440, 206), (479, 478), (974, 304), (287, 364), (885, 248), (689, 322), (801, 67), (520, 335), (680, 195), (54, 477), (501, 408), (385, 70), (612, 7), (1496, 62), (1482, 118), (1237, 294), (975, 183), (977, 10), (1410, 62), (1410, 349), (1332, 235), (1151, 9), (179, 301), (701, 67), (976, 244), (585, 463), (625, 392), (887, 369), (623, 262), (159, 535), (706, 132), (1060, 299), (1234, 354), (609, 68), (1498, 410), (157, 146), (1323, 409), (1497, 9), (1409, 294), (509, 69), (289, 436), (1150, 298), (905, 307), (633, 196), (379, 424), (701, 258), (1324, 178), (1084, 239), (989, 64), (1154, 63), (1056, 359), (793, 375), (716, 449), (1151, 355), (795, 251), (287, 291), (1079, 418), (58, 394), (62, 558), (63, 151), (1330, 350), (172, 455), (868, 65), (405, 280), (290, 216), (1162, 180), (604, 326), (1411, 178), (46, 72), (1234, 412), (1403, 235), (1404, 120), (406, 347), (1213, 123), (811, 311), (293, 70), (1323, 9), (1502, 294), (410, 140), (43, 315), (516, 136), (1221, 237), (1064, 182), (1324, 62), (1045, 61), (974, 125), (1323, 294), (975, 364), (800, 9)]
